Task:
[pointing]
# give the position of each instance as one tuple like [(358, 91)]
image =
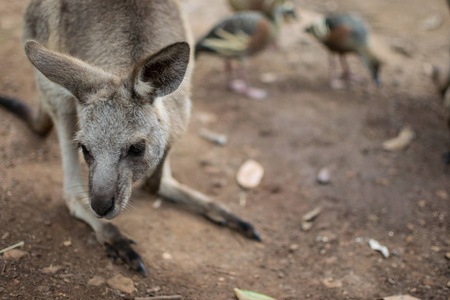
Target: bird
[(238, 37), (265, 6), (441, 79), (343, 34)]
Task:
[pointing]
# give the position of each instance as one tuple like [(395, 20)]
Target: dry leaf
[(308, 218), (213, 137), (250, 174), (249, 295), (401, 297), (400, 142), (311, 215), (51, 269)]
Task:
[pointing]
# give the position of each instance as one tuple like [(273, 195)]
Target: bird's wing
[(338, 39), (227, 43)]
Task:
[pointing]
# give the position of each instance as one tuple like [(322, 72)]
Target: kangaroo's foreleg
[(170, 189), (76, 194)]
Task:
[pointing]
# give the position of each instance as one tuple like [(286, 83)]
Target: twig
[(174, 297), (12, 247), (3, 269)]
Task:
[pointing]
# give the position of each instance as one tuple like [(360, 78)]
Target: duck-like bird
[(441, 79), (343, 34), (236, 38)]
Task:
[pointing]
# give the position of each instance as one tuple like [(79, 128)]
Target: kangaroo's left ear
[(76, 76), (162, 73)]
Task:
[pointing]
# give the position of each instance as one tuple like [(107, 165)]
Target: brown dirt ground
[(400, 199)]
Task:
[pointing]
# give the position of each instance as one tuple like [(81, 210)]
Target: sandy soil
[(400, 199)]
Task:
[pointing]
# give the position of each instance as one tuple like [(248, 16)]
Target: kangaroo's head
[(123, 131)]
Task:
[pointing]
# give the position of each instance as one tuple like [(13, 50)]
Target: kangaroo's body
[(113, 77)]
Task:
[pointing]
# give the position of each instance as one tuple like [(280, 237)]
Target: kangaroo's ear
[(162, 73), (78, 77)]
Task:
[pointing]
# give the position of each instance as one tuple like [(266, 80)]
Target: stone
[(15, 254), (250, 174), (51, 269), (121, 283), (43, 288), (331, 283), (324, 177), (96, 281), (293, 247)]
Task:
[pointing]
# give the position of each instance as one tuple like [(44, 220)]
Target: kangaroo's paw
[(122, 249), (108, 234), (172, 190)]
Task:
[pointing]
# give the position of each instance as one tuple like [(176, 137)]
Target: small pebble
[(331, 283), (96, 281), (324, 176), (293, 247), (268, 77), (432, 22), (442, 194), (167, 256), (435, 248), (447, 255)]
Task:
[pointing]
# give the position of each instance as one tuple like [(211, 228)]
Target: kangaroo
[(114, 79)]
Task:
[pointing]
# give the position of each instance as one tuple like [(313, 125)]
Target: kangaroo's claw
[(122, 248), (248, 230), (141, 269)]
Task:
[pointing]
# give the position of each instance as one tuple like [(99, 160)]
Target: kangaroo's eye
[(86, 152), (137, 149)]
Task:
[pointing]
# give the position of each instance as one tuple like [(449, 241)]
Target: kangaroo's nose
[(102, 204)]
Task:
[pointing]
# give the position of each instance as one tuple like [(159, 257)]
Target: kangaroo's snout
[(103, 187), (103, 204)]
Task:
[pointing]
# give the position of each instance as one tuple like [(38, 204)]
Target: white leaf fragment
[(375, 245), (249, 295), (401, 297)]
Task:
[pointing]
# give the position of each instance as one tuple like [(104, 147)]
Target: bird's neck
[(320, 30)]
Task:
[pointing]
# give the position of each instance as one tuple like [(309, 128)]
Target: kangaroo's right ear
[(161, 73), (78, 77)]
